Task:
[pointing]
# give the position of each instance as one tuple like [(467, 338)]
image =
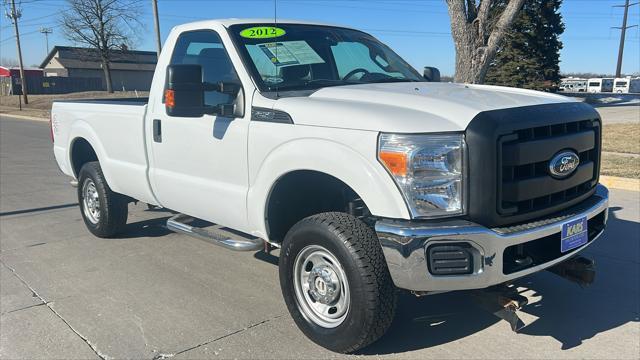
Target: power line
[(28, 22), (21, 35)]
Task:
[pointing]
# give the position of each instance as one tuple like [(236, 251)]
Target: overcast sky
[(417, 29)]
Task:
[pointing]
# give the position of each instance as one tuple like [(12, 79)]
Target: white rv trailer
[(626, 85), (597, 85), (573, 85)]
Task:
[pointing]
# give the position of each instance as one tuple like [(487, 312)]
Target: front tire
[(104, 212), (335, 281)]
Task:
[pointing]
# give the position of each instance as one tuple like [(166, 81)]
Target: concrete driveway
[(153, 294)]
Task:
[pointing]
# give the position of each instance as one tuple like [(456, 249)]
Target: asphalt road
[(152, 293)]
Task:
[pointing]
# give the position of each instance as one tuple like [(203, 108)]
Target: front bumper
[(405, 244)]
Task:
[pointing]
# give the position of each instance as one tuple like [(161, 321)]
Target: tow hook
[(578, 269), (503, 301)]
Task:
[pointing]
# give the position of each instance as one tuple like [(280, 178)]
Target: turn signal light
[(395, 162), (169, 98)]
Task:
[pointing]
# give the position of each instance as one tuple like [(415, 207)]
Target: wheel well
[(303, 193), (81, 153)]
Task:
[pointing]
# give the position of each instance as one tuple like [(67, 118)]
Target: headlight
[(428, 169)]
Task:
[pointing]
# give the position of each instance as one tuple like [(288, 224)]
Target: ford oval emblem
[(563, 164)]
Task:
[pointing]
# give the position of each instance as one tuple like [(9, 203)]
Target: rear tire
[(104, 212), (353, 303)]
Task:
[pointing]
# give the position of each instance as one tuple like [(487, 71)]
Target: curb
[(619, 183), (25, 117)]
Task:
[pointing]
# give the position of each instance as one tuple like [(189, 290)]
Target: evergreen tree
[(530, 54)]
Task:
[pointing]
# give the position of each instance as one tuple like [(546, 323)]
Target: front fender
[(348, 164)]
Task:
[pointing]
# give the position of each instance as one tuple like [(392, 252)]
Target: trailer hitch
[(577, 269), (503, 301)]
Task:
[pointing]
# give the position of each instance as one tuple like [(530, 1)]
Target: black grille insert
[(526, 185), (508, 153)]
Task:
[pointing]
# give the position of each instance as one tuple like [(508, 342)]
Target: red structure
[(10, 79), (15, 72)]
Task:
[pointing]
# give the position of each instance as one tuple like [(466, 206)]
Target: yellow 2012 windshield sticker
[(262, 32)]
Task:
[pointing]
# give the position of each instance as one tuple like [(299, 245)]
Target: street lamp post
[(46, 32)]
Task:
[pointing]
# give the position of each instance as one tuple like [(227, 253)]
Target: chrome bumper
[(404, 245)]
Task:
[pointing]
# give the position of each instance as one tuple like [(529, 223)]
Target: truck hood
[(407, 107)]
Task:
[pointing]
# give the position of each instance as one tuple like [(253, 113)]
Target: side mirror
[(184, 94), (431, 74)]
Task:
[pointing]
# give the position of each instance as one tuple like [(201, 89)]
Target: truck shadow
[(155, 226), (565, 311), (431, 321), (146, 228)]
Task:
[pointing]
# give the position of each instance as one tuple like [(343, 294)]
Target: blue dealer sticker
[(574, 234)]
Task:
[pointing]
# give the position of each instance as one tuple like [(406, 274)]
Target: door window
[(205, 48)]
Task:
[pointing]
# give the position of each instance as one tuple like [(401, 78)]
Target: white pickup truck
[(370, 177)]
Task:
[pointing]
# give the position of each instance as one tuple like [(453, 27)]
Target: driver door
[(200, 163)]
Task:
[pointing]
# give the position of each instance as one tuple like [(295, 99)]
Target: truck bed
[(115, 129)]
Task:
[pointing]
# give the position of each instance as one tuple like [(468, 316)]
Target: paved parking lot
[(153, 294), (619, 113)]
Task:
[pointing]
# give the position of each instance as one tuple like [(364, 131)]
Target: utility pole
[(15, 15), (46, 32), (154, 3), (623, 30)]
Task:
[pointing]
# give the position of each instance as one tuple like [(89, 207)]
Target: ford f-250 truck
[(370, 177)]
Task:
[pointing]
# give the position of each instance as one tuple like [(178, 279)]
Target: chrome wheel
[(90, 201), (321, 287)]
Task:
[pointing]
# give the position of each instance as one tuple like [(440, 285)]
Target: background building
[(130, 69)]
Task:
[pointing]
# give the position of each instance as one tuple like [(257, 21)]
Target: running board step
[(218, 236)]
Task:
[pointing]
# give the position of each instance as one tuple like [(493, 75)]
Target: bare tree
[(104, 25), (477, 35)]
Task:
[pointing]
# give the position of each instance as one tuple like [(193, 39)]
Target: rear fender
[(82, 130)]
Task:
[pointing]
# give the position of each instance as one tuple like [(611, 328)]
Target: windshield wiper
[(320, 83), (390, 80), (314, 84), (330, 82)]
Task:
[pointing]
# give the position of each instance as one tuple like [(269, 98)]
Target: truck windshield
[(287, 57)]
